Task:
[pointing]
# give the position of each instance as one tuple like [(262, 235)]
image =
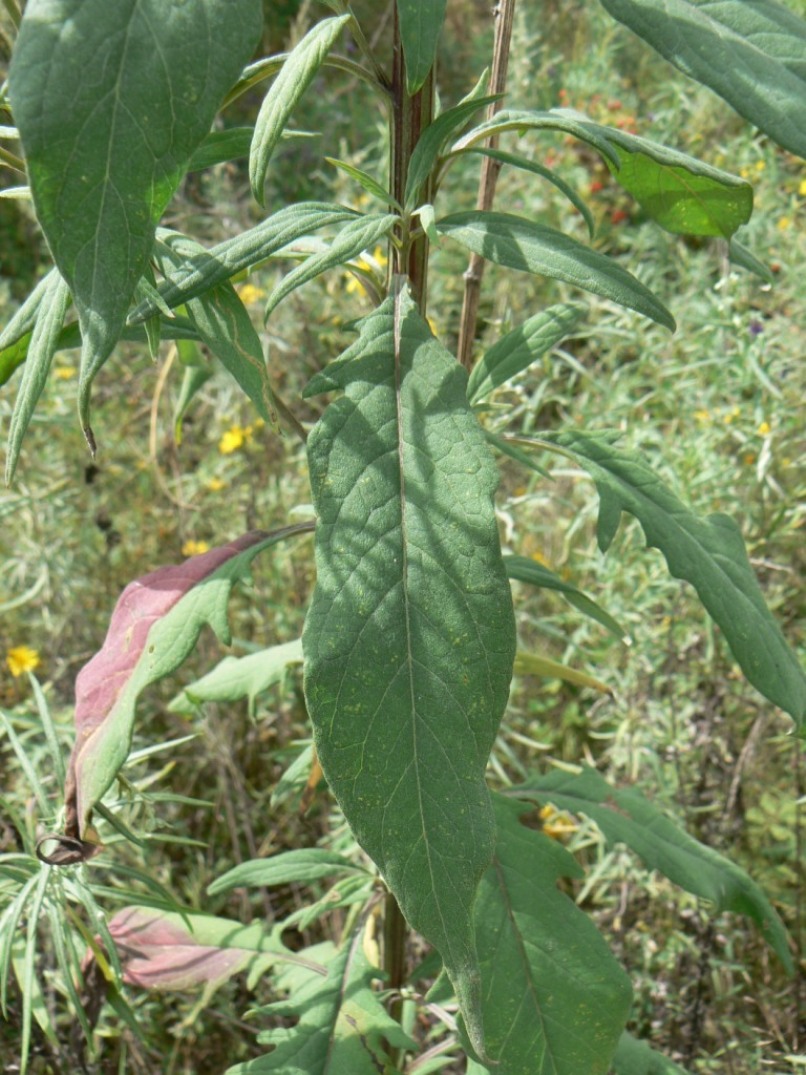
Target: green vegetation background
[(719, 407)]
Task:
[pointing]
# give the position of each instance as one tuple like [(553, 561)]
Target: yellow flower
[(22, 659), (233, 439), (764, 429), (215, 485), (557, 824), (64, 373), (729, 417), (802, 188), (194, 548), (249, 293), (760, 166), (744, 171), (784, 223), (539, 558), (703, 415)]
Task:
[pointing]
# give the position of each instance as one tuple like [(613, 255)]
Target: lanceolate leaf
[(526, 570), (555, 1000), (634, 1057), (751, 54), (709, 553), (223, 323), (625, 816), (420, 26), (684, 195), (518, 349), (208, 268), (44, 342), (111, 100), (518, 243), (302, 866), (409, 642), (153, 629), (165, 950), (240, 677), (294, 78), (355, 237), (343, 1025)]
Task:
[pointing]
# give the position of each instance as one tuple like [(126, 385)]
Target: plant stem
[(504, 15), (410, 117)]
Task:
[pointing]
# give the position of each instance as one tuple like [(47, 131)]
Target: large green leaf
[(343, 1026), (751, 54), (223, 323), (295, 76), (111, 100), (207, 268), (625, 816), (555, 999), (354, 237), (518, 349), (409, 642), (683, 194), (420, 26), (153, 629), (709, 553), (517, 243), (44, 341)]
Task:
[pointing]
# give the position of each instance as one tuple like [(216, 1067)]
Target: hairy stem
[(504, 15)]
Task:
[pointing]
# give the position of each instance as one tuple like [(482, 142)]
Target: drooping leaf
[(153, 629), (343, 1025), (294, 77), (519, 244), (223, 323), (740, 255), (635, 1057), (625, 816), (433, 138), (752, 54), (526, 570), (240, 677), (709, 553), (409, 641), (209, 268), (165, 950), (554, 998), (367, 181), (131, 91), (354, 237), (302, 865), (420, 27), (682, 194), (44, 340), (526, 165), (518, 349), (24, 319)]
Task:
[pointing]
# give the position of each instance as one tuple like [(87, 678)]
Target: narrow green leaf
[(752, 54), (197, 371), (525, 570), (206, 269), (709, 553), (519, 244), (220, 146), (354, 237), (342, 1025), (44, 341), (506, 447), (223, 323), (420, 26), (556, 119), (409, 641), (634, 1057), (740, 255), (294, 77), (368, 182), (555, 1000), (526, 165), (103, 146), (49, 728), (625, 816), (531, 664), (30, 989), (518, 349), (155, 626), (302, 865), (433, 138), (240, 677), (24, 319), (8, 931)]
